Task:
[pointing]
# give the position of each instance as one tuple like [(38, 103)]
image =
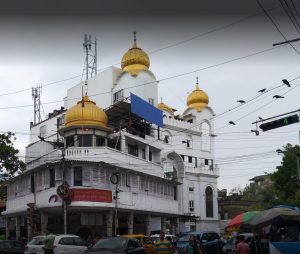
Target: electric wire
[(288, 12), (160, 80), (153, 51), (275, 25)]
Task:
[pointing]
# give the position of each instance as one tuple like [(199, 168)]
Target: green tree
[(10, 165), (286, 185)]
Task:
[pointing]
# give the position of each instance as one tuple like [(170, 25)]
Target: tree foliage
[(10, 165), (286, 180), (286, 184), (9, 160)]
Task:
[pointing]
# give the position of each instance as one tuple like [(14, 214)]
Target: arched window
[(209, 202), (205, 129), (167, 137), (188, 142)]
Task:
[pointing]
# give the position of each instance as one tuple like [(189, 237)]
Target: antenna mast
[(36, 96), (90, 65)]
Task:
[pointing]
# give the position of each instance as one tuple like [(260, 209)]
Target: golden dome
[(197, 99), (86, 113), (164, 107), (135, 60)]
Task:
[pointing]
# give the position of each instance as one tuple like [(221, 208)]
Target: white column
[(147, 224), (130, 223), (109, 222), (123, 144)]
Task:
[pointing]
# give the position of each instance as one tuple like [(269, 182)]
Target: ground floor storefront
[(88, 221)]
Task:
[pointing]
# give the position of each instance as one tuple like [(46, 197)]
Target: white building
[(168, 179)]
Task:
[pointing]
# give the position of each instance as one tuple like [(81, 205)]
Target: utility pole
[(115, 179), (64, 188), (64, 184)]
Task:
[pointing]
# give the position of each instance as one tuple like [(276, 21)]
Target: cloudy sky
[(228, 46)]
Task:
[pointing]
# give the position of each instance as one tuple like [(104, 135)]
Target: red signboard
[(92, 195)]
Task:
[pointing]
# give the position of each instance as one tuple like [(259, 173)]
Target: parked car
[(11, 247), (170, 238), (229, 247), (35, 246), (117, 245), (211, 242), (144, 240), (69, 244)]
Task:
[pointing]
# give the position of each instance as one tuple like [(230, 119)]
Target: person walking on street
[(48, 242), (162, 246), (192, 247), (242, 247)]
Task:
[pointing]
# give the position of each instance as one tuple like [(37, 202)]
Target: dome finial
[(160, 99), (197, 83), (134, 38)]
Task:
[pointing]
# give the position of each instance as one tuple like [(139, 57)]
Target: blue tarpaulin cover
[(146, 110)]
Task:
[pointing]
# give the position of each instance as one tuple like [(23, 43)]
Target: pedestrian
[(242, 247), (162, 246), (48, 243), (192, 247)]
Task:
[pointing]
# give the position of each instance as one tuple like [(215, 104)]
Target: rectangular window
[(191, 205), (190, 159), (100, 141), (77, 176), (191, 189), (85, 140), (43, 131), (32, 184), (70, 141), (133, 150), (144, 154), (150, 156), (175, 192), (52, 177), (151, 101), (118, 96), (206, 162)]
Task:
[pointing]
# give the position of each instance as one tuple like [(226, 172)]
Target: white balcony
[(202, 169), (101, 154)]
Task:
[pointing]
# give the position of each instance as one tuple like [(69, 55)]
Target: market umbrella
[(240, 219), (277, 214)]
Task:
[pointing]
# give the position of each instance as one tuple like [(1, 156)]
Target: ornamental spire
[(134, 38)]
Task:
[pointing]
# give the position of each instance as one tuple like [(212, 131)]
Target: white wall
[(143, 85), (99, 88)]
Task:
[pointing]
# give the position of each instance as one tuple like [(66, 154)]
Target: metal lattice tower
[(36, 96), (90, 65)]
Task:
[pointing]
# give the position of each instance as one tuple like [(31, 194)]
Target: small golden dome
[(164, 107), (135, 60), (86, 113), (197, 99)]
